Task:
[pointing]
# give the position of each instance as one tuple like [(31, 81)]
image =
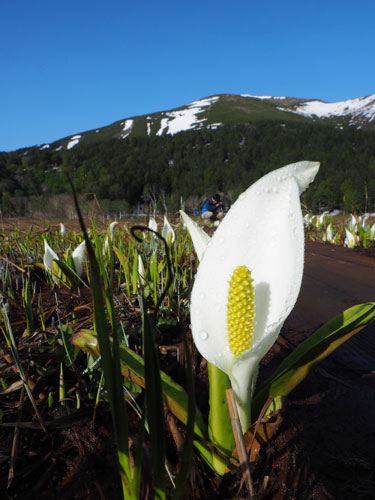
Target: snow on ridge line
[(263, 96), (73, 141), (185, 119), (364, 106)]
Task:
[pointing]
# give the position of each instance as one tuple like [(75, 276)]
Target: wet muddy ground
[(324, 447)]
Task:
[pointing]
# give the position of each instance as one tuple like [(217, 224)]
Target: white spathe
[(79, 258), (152, 224), (351, 240), (329, 235), (48, 258), (112, 231), (141, 272), (198, 235), (263, 230), (168, 232)]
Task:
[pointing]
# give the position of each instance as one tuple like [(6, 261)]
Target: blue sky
[(75, 65)]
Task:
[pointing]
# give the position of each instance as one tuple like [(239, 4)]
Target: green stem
[(219, 424)]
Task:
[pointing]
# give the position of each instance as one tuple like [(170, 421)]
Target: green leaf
[(187, 449), (309, 353), (109, 354), (133, 368), (154, 405), (69, 273)]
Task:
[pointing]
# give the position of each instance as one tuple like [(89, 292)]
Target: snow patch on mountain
[(185, 119), (361, 107), (262, 96), (128, 125), (73, 141)]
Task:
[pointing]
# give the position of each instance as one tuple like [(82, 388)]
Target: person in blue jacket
[(212, 208)]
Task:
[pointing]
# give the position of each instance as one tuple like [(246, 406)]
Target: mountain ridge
[(219, 109)]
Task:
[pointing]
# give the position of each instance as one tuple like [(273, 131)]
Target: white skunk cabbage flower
[(167, 232), (152, 224), (364, 222), (372, 232), (329, 234), (249, 277), (320, 219), (79, 258), (352, 225), (141, 272), (48, 261), (200, 238), (351, 240), (62, 229), (112, 231), (307, 219)]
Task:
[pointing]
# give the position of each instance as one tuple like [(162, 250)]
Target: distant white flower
[(307, 219), (364, 222), (372, 232), (351, 240), (152, 224), (112, 231), (353, 223), (141, 272), (320, 219), (168, 232), (329, 234), (48, 260), (199, 237), (79, 258), (62, 229)]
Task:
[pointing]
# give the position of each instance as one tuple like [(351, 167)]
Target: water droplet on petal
[(203, 335), (266, 190), (275, 190), (220, 355), (242, 196)]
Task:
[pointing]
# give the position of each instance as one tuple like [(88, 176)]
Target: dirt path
[(334, 408), (334, 279)]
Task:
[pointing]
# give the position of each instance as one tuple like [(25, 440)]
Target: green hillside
[(232, 141)]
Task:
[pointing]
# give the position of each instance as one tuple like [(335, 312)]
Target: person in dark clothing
[(212, 208)]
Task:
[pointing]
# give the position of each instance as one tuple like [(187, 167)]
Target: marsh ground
[(324, 447)]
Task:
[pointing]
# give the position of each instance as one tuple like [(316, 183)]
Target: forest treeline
[(188, 166)]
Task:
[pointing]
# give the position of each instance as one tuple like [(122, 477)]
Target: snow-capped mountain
[(215, 111), (361, 111)]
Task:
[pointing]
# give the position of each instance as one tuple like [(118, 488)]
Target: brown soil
[(324, 447)]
